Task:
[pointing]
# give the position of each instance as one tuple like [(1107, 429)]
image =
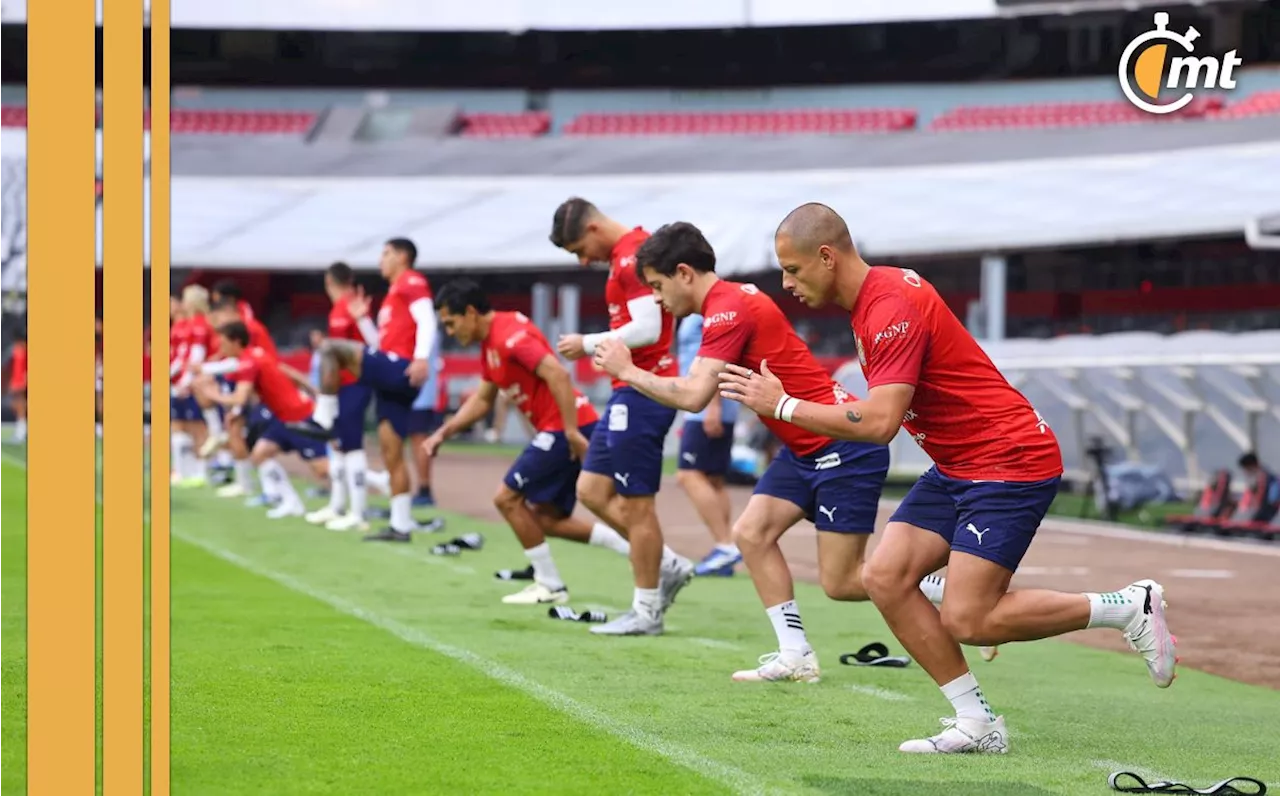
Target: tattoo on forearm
[(854, 416)]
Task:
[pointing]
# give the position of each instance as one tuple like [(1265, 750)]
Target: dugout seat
[(1215, 504)]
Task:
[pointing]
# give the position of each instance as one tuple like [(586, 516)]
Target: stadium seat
[(1062, 114), (13, 116), (1214, 504), (227, 122), (1260, 103), (794, 122), (506, 125)]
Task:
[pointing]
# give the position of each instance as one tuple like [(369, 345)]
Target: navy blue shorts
[(966, 513), (838, 487), (387, 375), (545, 472), (353, 407), (184, 408), (293, 442), (627, 443), (702, 453), (425, 421), (257, 418)]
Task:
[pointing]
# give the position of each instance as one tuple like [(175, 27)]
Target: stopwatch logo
[(1149, 54)]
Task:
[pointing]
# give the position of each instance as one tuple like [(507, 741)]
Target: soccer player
[(283, 391), (623, 467), (425, 418), (705, 443), (835, 484), (229, 290), (18, 385), (348, 465), (996, 471), (537, 495), (191, 338), (395, 371)]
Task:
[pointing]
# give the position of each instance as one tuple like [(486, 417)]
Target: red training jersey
[(199, 332), (179, 340), (259, 337), (276, 390), (626, 284), (967, 417), (509, 358), (246, 311), (743, 326), (397, 330), (343, 326), (18, 374)]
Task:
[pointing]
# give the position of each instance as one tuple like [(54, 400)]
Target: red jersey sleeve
[(899, 341), (726, 335), (201, 334), (246, 371), (413, 287), (525, 350), (633, 287)]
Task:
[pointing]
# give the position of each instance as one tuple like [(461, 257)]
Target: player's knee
[(593, 495), (884, 581), (638, 511), (845, 586), (685, 477), (966, 624), (507, 499), (749, 535)]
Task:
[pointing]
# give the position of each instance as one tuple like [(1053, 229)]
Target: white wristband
[(786, 408)]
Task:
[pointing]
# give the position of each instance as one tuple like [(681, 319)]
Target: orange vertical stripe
[(60, 454), (122, 398), (159, 398)]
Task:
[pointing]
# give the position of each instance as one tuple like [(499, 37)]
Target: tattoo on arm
[(854, 416)]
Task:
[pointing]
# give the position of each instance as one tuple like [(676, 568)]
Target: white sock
[(544, 567), (731, 549), (272, 471), (966, 697), (20, 430), (932, 586), (267, 478), (355, 467), (379, 480), (670, 557), (179, 443), (196, 464), (213, 420), (788, 627), (647, 602), (604, 536), (337, 481), (1114, 609), (244, 474), (223, 458), (326, 410), (401, 516)]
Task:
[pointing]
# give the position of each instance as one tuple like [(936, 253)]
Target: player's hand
[(431, 445), (712, 423), (570, 346), (578, 444), (612, 356), (759, 392), (358, 304), (417, 372)]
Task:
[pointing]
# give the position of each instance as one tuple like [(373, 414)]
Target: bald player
[(996, 470)]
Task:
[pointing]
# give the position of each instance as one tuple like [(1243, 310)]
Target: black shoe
[(389, 535), (515, 574), (433, 525), (310, 428)]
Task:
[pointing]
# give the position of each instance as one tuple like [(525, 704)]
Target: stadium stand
[(506, 125), (794, 122), (1064, 114)]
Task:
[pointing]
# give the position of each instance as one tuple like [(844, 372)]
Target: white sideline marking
[(879, 693), (734, 778), (715, 643), (1052, 571), (1211, 574)]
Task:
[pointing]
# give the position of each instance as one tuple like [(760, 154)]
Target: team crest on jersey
[(627, 262), (494, 360), (862, 354)]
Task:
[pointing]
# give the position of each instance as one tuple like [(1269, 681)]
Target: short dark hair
[(459, 294), (225, 302), (405, 247), (235, 331), (1250, 459), (228, 288), (341, 273), (673, 244), (569, 223)]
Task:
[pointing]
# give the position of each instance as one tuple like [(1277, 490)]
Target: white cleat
[(963, 736), (538, 594), (322, 516), (347, 522), (988, 653), (675, 575), (631, 624), (789, 665), (230, 491), (286, 510), (1148, 633), (212, 443)]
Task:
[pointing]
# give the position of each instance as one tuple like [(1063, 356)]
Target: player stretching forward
[(623, 467), (190, 342), (835, 484), (537, 494), (996, 470), (282, 391), (705, 444), (395, 371)]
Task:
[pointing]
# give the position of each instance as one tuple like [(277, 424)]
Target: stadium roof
[(503, 222)]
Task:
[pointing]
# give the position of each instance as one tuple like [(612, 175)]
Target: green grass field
[(305, 661)]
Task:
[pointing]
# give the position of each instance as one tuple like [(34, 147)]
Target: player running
[(622, 470), (395, 371), (835, 484), (996, 471), (538, 493), (283, 391), (705, 444)]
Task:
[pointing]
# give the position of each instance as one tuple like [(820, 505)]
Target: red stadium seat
[(1062, 114), (1260, 103), (219, 122), (790, 122), (506, 125), (13, 116)]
